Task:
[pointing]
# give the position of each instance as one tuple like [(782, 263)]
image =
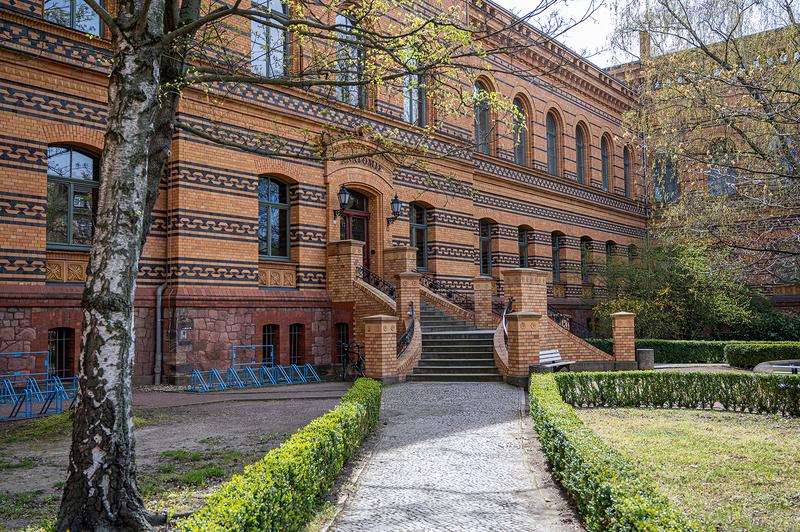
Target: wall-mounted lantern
[(344, 200), (397, 208)]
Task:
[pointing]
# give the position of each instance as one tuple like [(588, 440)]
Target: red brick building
[(239, 242)]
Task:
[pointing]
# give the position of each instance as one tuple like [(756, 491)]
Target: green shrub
[(684, 351), (738, 392), (609, 493), (282, 490), (750, 355)]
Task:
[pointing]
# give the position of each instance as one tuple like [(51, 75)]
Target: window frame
[(71, 25), (268, 50), (272, 330), (92, 186), (268, 235), (422, 251), (626, 170), (523, 241), (585, 251), (520, 133), (605, 162), (555, 244), (415, 108), (343, 93), (485, 239), (296, 343), (551, 136), (665, 191), (580, 154), (483, 141)]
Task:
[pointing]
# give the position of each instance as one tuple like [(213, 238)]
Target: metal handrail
[(568, 323), (437, 287), (373, 279), (405, 339), (506, 311)]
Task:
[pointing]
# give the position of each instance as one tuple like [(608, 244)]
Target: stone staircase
[(452, 350)]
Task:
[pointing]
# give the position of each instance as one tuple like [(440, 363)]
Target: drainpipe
[(159, 353)]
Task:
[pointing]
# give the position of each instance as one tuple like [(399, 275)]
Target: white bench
[(551, 358)]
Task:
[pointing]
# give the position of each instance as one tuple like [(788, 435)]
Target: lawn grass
[(730, 471)]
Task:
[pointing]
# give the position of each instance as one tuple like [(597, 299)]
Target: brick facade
[(203, 243)]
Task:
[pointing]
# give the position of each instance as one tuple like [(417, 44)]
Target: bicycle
[(357, 368)]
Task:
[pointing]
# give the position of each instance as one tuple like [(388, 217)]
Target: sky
[(591, 35)]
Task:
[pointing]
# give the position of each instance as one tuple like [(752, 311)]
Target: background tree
[(161, 49), (720, 92)]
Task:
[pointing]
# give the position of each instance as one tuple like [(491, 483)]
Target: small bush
[(609, 493), (282, 490), (750, 355), (738, 392)]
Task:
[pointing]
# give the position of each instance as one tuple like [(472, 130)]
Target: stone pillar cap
[(519, 315), (381, 317), (409, 274), (623, 314)]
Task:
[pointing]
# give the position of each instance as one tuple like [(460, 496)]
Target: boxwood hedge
[(609, 492), (689, 351), (751, 355), (738, 392), (282, 490)]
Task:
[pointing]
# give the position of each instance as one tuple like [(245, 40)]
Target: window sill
[(68, 248)]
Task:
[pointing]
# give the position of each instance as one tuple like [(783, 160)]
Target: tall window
[(72, 186), (481, 119), (605, 160), (626, 170), (273, 218), (580, 154), (486, 247), (586, 244), (721, 173), (556, 254), (75, 14), (414, 103), (270, 337), (665, 179), (520, 131), (269, 45), (523, 239), (418, 218), (611, 250), (551, 130), (342, 337), (349, 63), (60, 347), (296, 355)]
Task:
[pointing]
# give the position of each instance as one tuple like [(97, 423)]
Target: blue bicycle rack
[(35, 394), (252, 374)]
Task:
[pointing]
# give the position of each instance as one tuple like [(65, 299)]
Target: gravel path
[(458, 456)]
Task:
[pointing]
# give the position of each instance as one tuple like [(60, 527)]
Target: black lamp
[(344, 200), (397, 208)]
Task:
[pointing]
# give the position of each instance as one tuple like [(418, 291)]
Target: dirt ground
[(185, 445)]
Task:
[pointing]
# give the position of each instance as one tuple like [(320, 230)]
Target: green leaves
[(751, 355), (282, 490)]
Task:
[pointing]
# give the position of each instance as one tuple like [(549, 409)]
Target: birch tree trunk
[(101, 491)]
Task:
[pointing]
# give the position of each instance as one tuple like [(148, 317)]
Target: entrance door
[(355, 223)]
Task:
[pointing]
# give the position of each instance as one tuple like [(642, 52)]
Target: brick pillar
[(344, 256), (622, 330), (407, 292), (380, 347), (398, 259), (482, 294), (523, 345), (528, 287)]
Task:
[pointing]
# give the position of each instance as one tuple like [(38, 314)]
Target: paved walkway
[(451, 457)]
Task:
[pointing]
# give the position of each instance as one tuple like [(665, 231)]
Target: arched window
[(414, 97), (482, 121), (296, 343), (269, 45), (721, 173), (418, 225), (273, 218), (520, 131), (72, 187), (605, 161), (611, 251), (626, 170), (556, 242), (270, 336), (486, 247), (552, 132), (524, 237), (580, 154), (665, 179), (75, 14), (61, 347), (349, 62), (586, 246)]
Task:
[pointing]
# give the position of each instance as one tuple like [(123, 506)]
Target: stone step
[(454, 370), (456, 340), (455, 377), (449, 355), (453, 361)]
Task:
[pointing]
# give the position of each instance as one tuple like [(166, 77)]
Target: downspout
[(159, 353)]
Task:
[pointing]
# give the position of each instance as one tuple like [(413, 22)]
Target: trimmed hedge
[(609, 492), (689, 351), (737, 392), (282, 490), (750, 355)]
